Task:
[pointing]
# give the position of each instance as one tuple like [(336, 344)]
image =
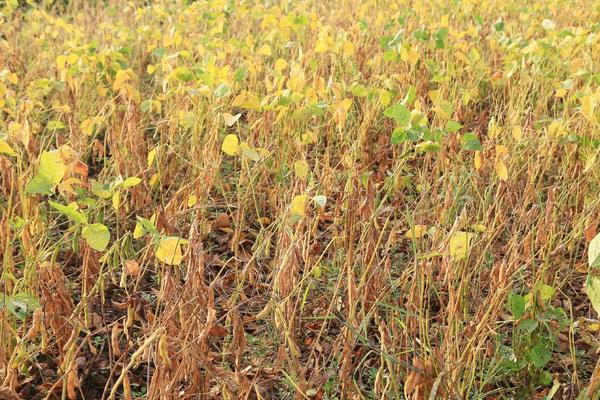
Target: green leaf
[(593, 291), (96, 235), (411, 96), (50, 172), (240, 74), (320, 200), (148, 225), (499, 26), (416, 133), (130, 182), (183, 74), (428, 147), (421, 35), (159, 52), (249, 153), (55, 125), (594, 252), (546, 292), (20, 304), (399, 113), (447, 108), (527, 326), (101, 190), (399, 136), (70, 211), (39, 184), (440, 38), (470, 142), (545, 378), (517, 305), (539, 355), (359, 90), (453, 126), (221, 91), (27, 298), (146, 106)]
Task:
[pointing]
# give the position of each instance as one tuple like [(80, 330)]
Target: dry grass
[(406, 283)]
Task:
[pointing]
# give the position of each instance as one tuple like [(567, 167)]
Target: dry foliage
[(306, 199)]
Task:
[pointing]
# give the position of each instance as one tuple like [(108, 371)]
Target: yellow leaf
[(409, 54), (556, 129), (298, 206), (308, 137), (590, 162), (66, 186), (417, 231), (588, 104), (493, 129), (86, 126), (280, 65), (348, 48), (593, 327), (246, 100), (138, 231), (517, 133), (61, 62), (444, 21), (163, 350), (230, 145), (385, 98), (478, 161), (501, 170), (192, 200), (19, 132), (459, 245), (151, 157), (13, 78), (169, 250), (122, 78), (265, 50), (434, 95), (301, 169), (479, 228), (297, 79), (501, 150), (153, 180), (6, 149), (116, 200), (321, 45)]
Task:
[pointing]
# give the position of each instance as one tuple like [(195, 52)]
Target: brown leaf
[(72, 384), (80, 168), (132, 268), (222, 221), (217, 331), (590, 231), (8, 394)]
